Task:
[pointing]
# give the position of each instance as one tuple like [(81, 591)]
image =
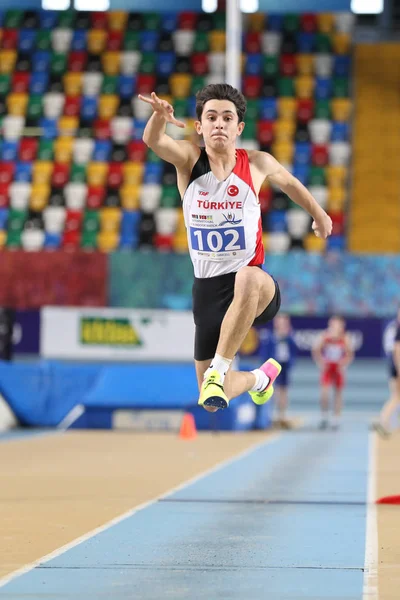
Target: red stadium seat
[(71, 239), (77, 61), (265, 198), (99, 20), (252, 42), (320, 155), (199, 63), (145, 83), (20, 82), (9, 39), (95, 196), (6, 172), (305, 109), (337, 222), (72, 106), (102, 129), (187, 20), (252, 86), (288, 65), (265, 132), (115, 175), (164, 243), (137, 151), (308, 22), (115, 39), (28, 148), (4, 195), (60, 175)]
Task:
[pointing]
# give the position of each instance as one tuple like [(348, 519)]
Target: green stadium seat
[(286, 87), (340, 87), (45, 149), (201, 42), (198, 82), (5, 84), (322, 109), (110, 84), (13, 19), (58, 63), (291, 23), (270, 66), (78, 173), (131, 40), (323, 43), (148, 63), (66, 19), (317, 176), (151, 21), (43, 40)]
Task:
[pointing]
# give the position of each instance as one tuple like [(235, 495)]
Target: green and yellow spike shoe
[(212, 392)]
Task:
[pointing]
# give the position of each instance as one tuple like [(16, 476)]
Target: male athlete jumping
[(219, 186)]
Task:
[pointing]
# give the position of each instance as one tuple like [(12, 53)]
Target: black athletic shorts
[(211, 299)]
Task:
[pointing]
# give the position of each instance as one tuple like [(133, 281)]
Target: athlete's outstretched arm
[(177, 152), (276, 174)]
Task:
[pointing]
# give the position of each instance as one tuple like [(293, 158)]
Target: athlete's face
[(282, 325), (336, 327), (219, 124)]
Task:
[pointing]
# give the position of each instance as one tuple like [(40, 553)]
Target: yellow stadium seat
[(304, 85), (217, 41), (117, 20), (133, 173), (284, 130), (130, 196), (305, 64), (283, 151), (287, 108), (110, 61), (3, 238), (97, 173), (40, 193), (341, 43), (42, 171), (7, 61), (97, 40), (325, 22), (180, 84), (180, 224), (108, 104), (107, 241), (180, 242), (341, 109), (256, 22), (73, 84), (63, 148), (312, 243), (336, 175), (167, 97), (110, 218), (16, 104), (336, 198), (67, 126)]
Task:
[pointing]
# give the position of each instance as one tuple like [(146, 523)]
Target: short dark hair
[(221, 91)]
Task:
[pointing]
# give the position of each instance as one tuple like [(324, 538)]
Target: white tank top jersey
[(223, 219)]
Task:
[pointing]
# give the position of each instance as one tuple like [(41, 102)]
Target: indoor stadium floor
[(236, 516)]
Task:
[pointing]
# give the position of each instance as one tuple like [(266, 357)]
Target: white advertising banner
[(116, 334)]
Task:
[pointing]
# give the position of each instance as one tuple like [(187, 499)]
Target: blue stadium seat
[(3, 217), (23, 172), (169, 21), (341, 65), (102, 150), (27, 39), (166, 63), (302, 153), (48, 19), (340, 132), (9, 150), (40, 61), (301, 171), (253, 64), (275, 22), (323, 88), (305, 42), (138, 129), (130, 222), (39, 82), (52, 240), (336, 242), (126, 86), (191, 106), (268, 109), (149, 41), (89, 107), (49, 128), (277, 220), (153, 173), (78, 41)]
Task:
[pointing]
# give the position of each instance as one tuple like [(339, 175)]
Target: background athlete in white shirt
[(219, 187)]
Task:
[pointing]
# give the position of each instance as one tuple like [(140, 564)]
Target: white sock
[(220, 364), (336, 420), (262, 380), (325, 416)]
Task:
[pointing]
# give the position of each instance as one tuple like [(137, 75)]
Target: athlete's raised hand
[(322, 225), (163, 108)]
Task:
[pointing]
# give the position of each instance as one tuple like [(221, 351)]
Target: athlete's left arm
[(267, 167), (349, 357)]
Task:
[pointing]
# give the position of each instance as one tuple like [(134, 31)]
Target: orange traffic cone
[(188, 429), (389, 500)]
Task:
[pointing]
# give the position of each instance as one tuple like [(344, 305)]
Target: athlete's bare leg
[(324, 401), (236, 382), (254, 290), (282, 402), (337, 407), (391, 406)]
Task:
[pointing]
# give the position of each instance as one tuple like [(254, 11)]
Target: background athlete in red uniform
[(332, 353)]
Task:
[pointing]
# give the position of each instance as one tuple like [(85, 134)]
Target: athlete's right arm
[(176, 152)]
